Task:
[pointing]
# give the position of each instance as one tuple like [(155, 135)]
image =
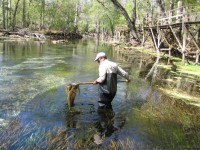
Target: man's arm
[(122, 73)]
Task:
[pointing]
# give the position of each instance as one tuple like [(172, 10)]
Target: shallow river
[(34, 113)]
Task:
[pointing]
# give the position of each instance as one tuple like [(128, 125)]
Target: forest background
[(83, 16)]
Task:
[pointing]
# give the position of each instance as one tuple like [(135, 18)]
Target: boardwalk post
[(198, 51), (176, 29), (184, 33), (143, 35), (197, 57), (170, 17), (184, 41), (154, 41)]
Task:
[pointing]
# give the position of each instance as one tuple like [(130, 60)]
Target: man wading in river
[(107, 80)]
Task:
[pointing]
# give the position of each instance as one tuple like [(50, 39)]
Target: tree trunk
[(76, 16), (24, 14), (171, 4), (171, 8), (161, 6), (98, 27), (28, 15), (42, 15), (134, 11), (10, 15), (111, 25), (7, 14), (4, 14), (130, 23), (14, 15)]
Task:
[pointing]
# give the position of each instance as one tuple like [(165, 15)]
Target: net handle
[(82, 83)]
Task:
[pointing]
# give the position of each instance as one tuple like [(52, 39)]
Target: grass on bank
[(175, 93), (189, 69)]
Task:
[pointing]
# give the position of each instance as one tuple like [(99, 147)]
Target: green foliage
[(191, 2), (49, 14), (61, 14), (108, 16), (61, 18)]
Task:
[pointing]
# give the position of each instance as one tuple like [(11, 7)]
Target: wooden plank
[(197, 58), (164, 49)]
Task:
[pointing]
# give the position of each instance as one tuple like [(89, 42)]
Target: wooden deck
[(177, 29)]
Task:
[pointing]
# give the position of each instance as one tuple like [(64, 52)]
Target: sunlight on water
[(17, 89), (3, 122)]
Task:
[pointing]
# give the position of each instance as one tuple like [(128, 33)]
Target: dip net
[(71, 90)]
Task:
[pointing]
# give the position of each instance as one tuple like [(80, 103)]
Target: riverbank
[(27, 34)]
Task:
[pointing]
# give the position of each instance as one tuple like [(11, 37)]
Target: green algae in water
[(190, 99)]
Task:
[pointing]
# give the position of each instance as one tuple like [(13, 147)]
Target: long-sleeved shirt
[(108, 72)]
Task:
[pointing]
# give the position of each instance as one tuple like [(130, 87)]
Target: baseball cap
[(100, 54)]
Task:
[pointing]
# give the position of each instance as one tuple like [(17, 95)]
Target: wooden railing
[(178, 15)]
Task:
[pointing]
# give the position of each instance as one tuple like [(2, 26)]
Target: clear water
[(33, 77)]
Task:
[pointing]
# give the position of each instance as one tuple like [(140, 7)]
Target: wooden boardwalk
[(178, 30)]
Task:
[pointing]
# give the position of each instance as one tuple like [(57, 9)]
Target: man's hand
[(95, 82)]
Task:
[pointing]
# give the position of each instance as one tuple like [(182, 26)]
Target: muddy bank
[(25, 34)]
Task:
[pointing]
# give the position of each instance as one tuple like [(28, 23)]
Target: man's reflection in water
[(71, 123), (105, 124), (102, 129)]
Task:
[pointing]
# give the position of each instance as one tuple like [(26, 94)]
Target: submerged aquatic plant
[(175, 93)]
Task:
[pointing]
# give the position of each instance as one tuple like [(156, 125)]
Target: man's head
[(100, 56)]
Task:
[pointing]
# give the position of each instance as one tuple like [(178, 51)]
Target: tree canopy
[(81, 15)]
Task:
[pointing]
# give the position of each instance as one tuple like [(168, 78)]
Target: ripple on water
[(3, 122)]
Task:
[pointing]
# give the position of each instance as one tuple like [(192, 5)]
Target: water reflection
[(168, 77), (97, 129), (28, 69), (152, 72), (146, 114), (70, 121), (104, 126)]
